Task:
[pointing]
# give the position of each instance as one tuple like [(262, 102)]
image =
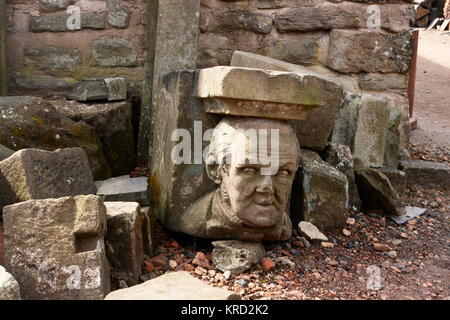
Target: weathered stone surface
[(118, 14), (396, 177), (125, 188), (124, 240), (9, 288), (5, 152), (236, 256), (426, 174), (382, 52), (377, 192), (275, 4), (383, 82), (362, 124), (58, 23), (89, 90), (38, 82), (173, 286), (37, 174), (393, 136), (269, 94), (66, 258), (304, 50), (175, 48), (324, 193), (28, 122), (114, 52), (112, 122), (3, 68), (117, 88), (311, 232), (340, 157), (149, 231), (52, 58), (54, 5), (316, 129), (238, 19)]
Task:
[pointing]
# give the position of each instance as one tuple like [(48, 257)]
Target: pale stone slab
[(311, 231), (173, 286), (125, 188), (124, 240), (55, 248)]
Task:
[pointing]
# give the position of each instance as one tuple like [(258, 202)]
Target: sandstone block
[(397, 178), (118, 14), (426, 174), (124, 188), (54, 5), (52, 58), (114, 52)]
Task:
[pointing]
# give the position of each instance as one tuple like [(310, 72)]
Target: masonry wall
[(332, 37), (45, 56)]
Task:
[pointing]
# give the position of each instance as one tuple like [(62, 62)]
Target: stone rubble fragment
[(236, 256), (410, 213), (124, 188), (173, 286), (9, 287), (311, 232)]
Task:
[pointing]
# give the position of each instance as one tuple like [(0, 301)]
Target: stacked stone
[(109, 34)]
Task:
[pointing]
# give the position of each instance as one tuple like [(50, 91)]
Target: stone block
[(426, 174), (29, 122), (383, 82), (44, 83), (52, 58), (124, 240), (58, 23), (313, 132), (324, 193), (114, 52), (5, 152), (362, 124), (125, 188), (397, 178), (382, 52), (236, 256), (118, 14), (38, 174), (377, 192), (55, 5), (55, 248), (111, 89), (112, 122), (304, 50), (173, 286), (9, 288), (239, 19)]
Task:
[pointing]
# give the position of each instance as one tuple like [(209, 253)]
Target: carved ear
[(213, 171)]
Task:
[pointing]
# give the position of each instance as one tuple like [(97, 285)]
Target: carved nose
[(266, 186)]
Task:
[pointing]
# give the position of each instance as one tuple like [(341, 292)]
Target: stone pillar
[(171, 46), (3, 70)]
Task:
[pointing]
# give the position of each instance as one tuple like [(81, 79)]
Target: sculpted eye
[(284, 173), (249, 170)]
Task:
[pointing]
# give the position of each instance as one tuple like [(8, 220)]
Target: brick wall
[(46, 56)]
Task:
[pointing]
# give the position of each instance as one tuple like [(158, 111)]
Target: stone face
[(124, 240), (311, 232), (114, 52), (396, 177), (124, 188), (9, 288), (377, 192), (118, 14), (28, 122), (112, 122), (362, 124), (261, 93), (324, 193), (426, 174), (52, 58), (236, 256), (66, 259), (173, 286), (315, 130), (382, 52), (37, 174), (175, 49), (58, 23), (340, 157)]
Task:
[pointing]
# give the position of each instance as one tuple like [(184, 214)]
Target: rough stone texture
[(44, 83), (55, 5), (238, 19), (340, 157), (311, 232), (381, 52), (176, 186), (66, 259), (149, 231), (396, 177), (58, 23), (112, 122), (9, 288), (377, 192), (394, 135), (362, 124), (89, 90), (299, 51), (52, 58), (124, 240), (383, 82), (426, 174), (5, 152), (173, 286), (117, 88), (37, 174), (236, 256), (114, 52), (124, 188), (118, 14), (3, 69), (315, 130), (269, 94), (175, 48), (324, 193), (28, 122)]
